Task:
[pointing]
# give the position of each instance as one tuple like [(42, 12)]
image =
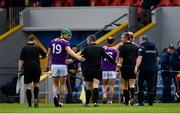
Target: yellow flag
[(83, 96)]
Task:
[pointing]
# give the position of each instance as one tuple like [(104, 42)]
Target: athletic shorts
[(108, 75), (93, 72), (59, 70), (32, 75), (128, 73)]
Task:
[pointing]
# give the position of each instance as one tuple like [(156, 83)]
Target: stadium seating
[(128, 2), (57, 3), (101, 2), (2, 3), (176, 3), (116, 3), (165, 3), (138, 3), (69, 3)]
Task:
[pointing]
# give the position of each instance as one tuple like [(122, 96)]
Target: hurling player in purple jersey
[(57, 53), (109, 71)]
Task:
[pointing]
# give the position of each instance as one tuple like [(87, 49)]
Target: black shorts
[(32, 75), (128, 73), (93, 72)]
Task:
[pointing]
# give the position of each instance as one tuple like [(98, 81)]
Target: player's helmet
[(66, 33)]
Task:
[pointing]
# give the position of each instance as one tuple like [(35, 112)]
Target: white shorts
[(59, 70), (108, 75)]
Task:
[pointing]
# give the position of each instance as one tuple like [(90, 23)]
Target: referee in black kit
[(93, 73), (146, 62), (30, 63), (128, 53)]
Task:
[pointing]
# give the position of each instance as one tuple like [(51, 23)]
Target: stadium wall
[(166, 31), (10, 48), (75, 18)]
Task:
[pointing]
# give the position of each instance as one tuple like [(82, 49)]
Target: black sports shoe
[(131, 101), (36, 105), (60, 104), (56, 102), (95, 105)]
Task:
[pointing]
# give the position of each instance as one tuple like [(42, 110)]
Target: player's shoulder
[(113, 48)]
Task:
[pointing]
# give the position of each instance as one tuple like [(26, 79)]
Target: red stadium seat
[(68, 3), (139, 12), (2, 3), (92, 2), (102, 3), (116, 3), (176, 3), (128, 3), (178, 77), (57, 3), (138, 3), (165, 3)]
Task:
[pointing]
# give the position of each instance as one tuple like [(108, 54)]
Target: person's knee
[(36, 84), (89, 85), (28, 86), (95, 83)]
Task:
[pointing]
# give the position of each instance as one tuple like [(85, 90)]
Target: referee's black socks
[(95, 95), (88, 96), (132, 91), (36, 92), (29, 96), (126, 95)]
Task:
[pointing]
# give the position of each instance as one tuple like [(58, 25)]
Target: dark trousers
[(146, 16), (149, 77), (70, 83), (167, 78)]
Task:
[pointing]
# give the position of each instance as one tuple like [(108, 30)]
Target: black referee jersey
[(30, 55), (93, 55), (129, 53)]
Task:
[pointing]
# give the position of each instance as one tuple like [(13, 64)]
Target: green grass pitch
[(78, 108)]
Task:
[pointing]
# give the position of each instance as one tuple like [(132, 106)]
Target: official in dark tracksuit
[(176, 67), (93, 73), (146, 64), (167, 73)]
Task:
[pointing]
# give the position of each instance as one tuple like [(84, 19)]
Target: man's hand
[(81, 58), (135, 70), (69, 61), (48, 68)]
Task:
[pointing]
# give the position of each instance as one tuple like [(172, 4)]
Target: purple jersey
[(58, 52), (106, 65)]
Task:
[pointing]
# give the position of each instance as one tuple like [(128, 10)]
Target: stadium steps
[(8, 33), (139, 32)]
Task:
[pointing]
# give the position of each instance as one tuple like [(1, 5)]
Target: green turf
[(78, 108)]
